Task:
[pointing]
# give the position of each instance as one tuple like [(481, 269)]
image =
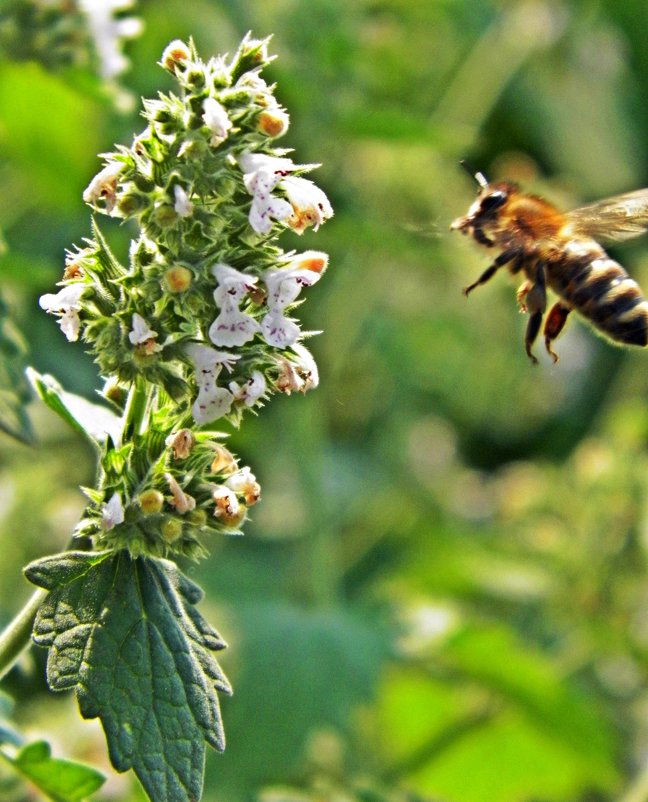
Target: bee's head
[(483, 213)]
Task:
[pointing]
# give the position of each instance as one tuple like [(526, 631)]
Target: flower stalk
[(200, 326), (16, 636)]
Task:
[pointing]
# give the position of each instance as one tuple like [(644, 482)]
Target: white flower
[(232, 284), (306, 367), (284, 285), (142, 333), (279, 165), (216, 120), (183, 206), (244, 483), (112, 513), (265, 207), (213, 401), (278, 330), (108, 31), (104, 185), (208, 362), (251, 390), (227, 506), (66, 304), (232, 328), (182, 501), (310, 205), (315, 261), (261, 174)]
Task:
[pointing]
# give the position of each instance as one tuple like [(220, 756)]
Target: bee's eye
[(492, 201)]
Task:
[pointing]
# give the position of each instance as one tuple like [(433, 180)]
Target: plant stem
[(138, 398), (16, 636)]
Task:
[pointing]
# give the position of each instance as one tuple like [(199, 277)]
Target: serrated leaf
[(60, 780), (125, 635), (94, 421)]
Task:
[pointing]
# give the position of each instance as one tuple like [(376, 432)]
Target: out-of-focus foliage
[(443, 594)]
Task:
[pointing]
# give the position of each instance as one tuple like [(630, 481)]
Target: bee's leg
[(536, 303), (533, 327), (502, 259), (521, 294), (554, 324)]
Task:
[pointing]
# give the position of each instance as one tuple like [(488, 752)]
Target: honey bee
[(561, 250)]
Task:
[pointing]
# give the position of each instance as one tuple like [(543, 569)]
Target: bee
[(561, 250)]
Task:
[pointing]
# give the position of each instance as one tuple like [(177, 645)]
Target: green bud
[(150, 501), (143, 255), (195, 78), (143, 183), (171, 529), (165, 216), (131, 203), (252, 54), (194, 149), (178, 279), (197, 518)]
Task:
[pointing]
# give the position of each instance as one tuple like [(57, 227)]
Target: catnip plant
[(198, 328)]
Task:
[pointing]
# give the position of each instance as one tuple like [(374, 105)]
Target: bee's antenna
[(477, 176)]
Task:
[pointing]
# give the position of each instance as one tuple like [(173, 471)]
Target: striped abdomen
[(601, 290)]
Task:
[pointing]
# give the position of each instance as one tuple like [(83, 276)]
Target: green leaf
[(14, 390), (528, 679), (60, 780), (94, 421), (125, 634)]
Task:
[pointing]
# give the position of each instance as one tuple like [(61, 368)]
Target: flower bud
[(195, 78), (113, 391), (197, 517), (182, 501), (175, 55), (273, 122), (244, 483), (227, 508), (223, 462), (150, 501), (131, 203), (104, 186), (181, 443), (73, 268), (251, 53), (178, 279), (171, 529), (165, 216)]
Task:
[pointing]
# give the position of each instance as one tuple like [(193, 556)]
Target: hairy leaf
[(93, 421), (60, 780), (125, 635)]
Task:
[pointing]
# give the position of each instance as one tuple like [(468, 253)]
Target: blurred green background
[(444, 593)]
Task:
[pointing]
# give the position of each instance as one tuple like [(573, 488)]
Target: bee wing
[(613, 219)]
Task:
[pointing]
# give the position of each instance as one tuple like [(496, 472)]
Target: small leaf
[(125, 635), (94, 421), (60, 780)]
